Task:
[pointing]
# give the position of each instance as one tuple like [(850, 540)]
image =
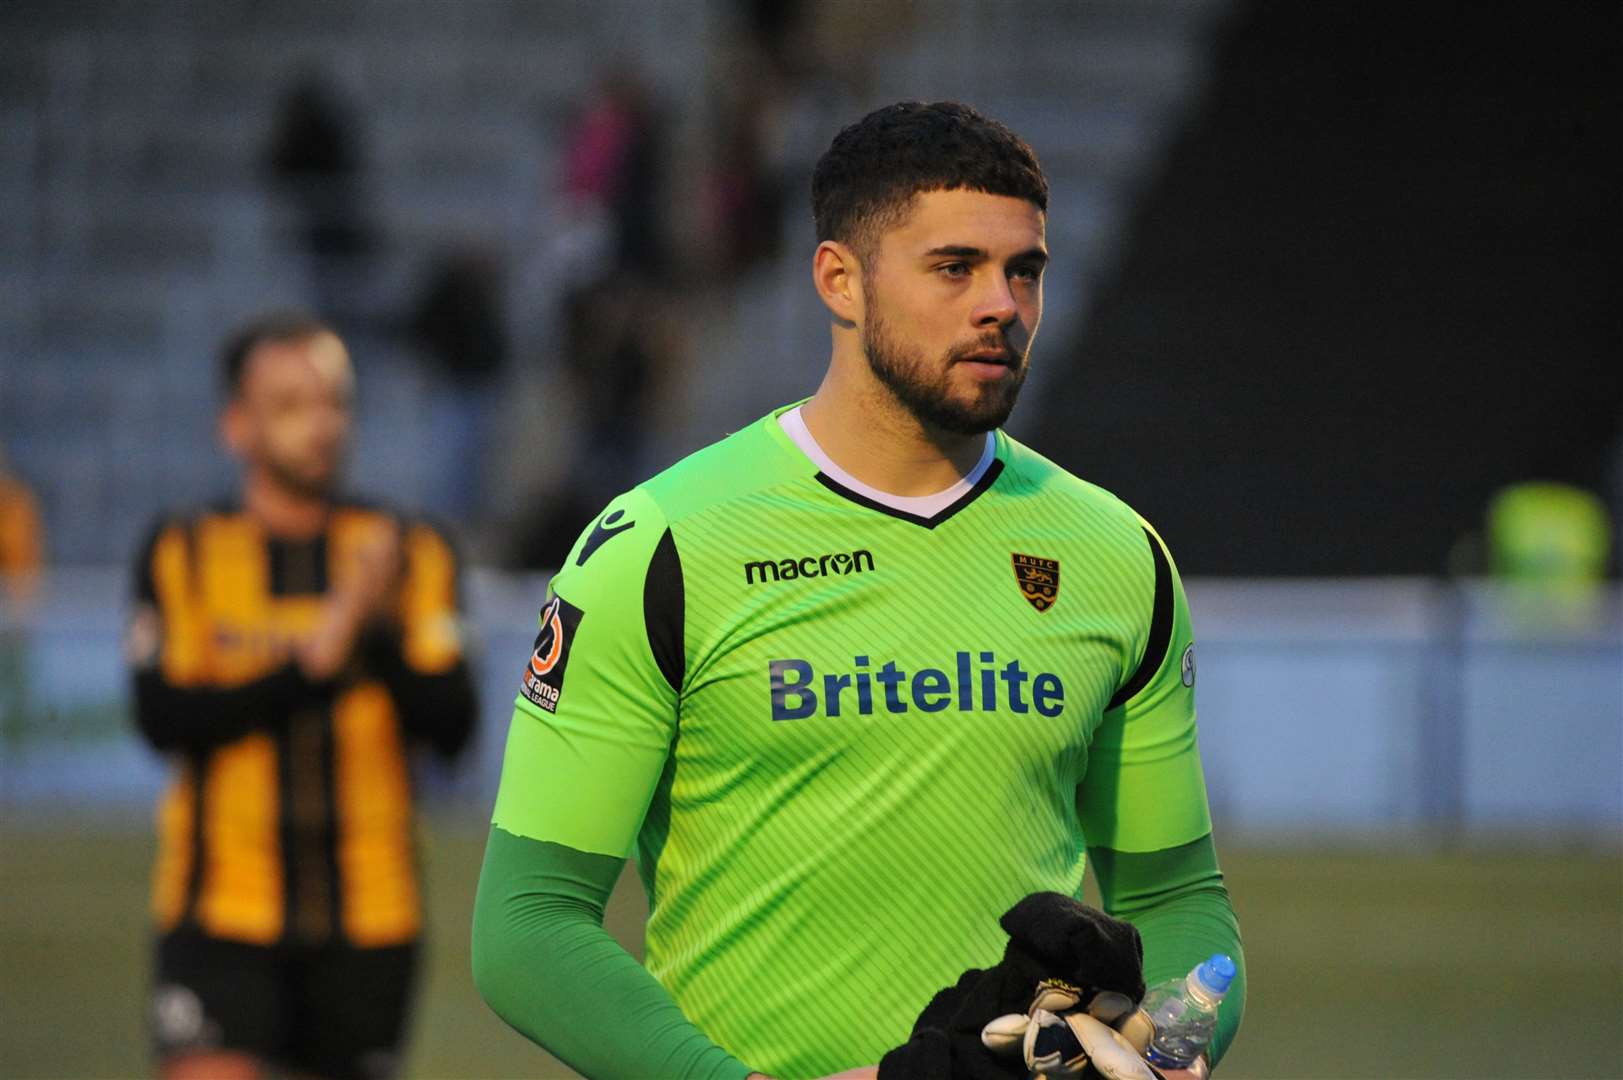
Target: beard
[(310, 480), (925, 390)]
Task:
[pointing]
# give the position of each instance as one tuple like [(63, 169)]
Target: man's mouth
[(989, 364)]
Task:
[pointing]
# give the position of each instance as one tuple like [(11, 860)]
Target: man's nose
[(997, 306)]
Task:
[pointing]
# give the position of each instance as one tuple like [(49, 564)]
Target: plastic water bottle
[(1184, 1012)]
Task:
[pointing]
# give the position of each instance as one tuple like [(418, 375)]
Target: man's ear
[(837, 274), (233, 428)]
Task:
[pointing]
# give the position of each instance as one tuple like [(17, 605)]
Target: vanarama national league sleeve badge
[(543, 681), (1038, 578)]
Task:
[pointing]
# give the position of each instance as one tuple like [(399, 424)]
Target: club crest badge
[(1038, 579)]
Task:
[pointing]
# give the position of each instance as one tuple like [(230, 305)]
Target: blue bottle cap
[(1218, 972)]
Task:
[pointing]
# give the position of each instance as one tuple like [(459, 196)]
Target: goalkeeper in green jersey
[(851, 682)]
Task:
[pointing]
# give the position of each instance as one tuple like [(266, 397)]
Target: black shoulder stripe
[(146, 589), (1155, 649), (194, 555), (198, 762), (662, 611), (297, 567)]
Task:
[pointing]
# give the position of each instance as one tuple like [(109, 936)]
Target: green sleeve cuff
[(544, 963), (1177, 899)]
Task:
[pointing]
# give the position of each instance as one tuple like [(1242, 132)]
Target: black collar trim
[(987, 478)]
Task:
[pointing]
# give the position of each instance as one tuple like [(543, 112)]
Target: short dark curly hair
[(865, 180), (272, 327)]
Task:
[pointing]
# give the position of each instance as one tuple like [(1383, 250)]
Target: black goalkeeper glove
[(1051, 937)]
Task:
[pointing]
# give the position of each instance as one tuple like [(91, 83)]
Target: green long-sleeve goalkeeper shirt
[(842, 734)]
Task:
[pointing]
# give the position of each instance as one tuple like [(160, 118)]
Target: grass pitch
[(1468, 964)]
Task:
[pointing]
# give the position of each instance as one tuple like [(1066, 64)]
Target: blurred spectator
[(609, 346), (460, 329), (313, 159), (21, 554), (613, 355), (776, 87), (290, 648), (610, 353), (775, 28), (612, 175), (21, 544), (749, 93), (746, 193)]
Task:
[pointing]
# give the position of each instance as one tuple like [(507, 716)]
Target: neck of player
[(872, 436), (285, 511)]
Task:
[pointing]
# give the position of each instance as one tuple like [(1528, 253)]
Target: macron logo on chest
[(835, 563)]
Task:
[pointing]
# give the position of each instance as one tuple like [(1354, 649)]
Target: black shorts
[(333, 1010)]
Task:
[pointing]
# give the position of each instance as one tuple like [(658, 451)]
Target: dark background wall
[(1375, 280)]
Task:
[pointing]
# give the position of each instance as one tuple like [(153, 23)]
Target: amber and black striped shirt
[(289, 818)]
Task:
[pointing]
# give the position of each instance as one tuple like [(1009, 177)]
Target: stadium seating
[(139, 224)]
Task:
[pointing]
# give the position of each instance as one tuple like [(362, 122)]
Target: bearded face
[(933, 389), (952, 295), (291, 418)]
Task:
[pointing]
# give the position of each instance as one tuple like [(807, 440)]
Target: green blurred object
[(1550, 534), (1548, 545), (1382, 961)]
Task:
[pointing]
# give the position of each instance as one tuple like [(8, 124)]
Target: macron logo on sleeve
[(606, 530)]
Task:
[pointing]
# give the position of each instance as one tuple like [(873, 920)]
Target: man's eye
[(954, 269), (1026, 273)]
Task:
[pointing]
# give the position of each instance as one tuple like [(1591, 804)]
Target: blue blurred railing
[(1324, 705)]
